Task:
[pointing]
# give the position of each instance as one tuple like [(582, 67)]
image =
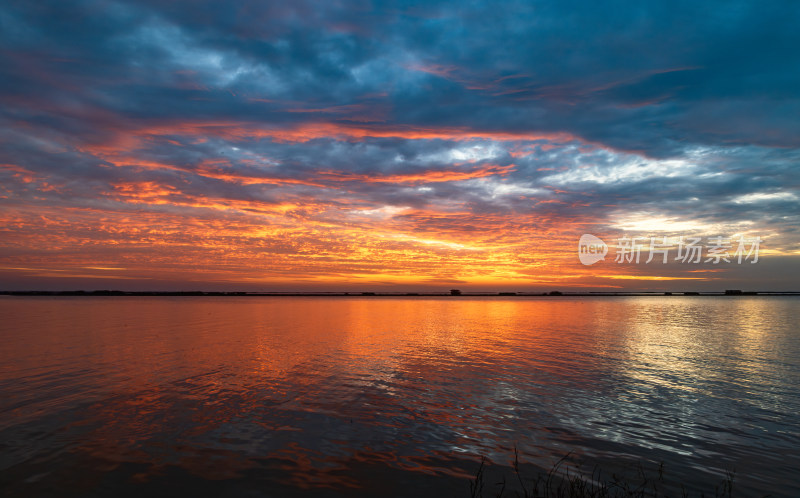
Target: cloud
[(378, 135)]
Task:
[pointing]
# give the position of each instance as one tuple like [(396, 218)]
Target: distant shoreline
[(555, 294)]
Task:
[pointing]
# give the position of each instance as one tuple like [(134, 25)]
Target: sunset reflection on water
[(348, 394)]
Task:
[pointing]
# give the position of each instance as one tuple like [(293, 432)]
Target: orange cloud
[(434, 176), (128, 139)]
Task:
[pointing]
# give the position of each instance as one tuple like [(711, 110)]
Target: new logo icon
[(591, 249)]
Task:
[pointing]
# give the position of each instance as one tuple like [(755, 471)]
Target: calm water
[(391, 396)]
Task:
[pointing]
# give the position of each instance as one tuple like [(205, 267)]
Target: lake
[(393, 396)]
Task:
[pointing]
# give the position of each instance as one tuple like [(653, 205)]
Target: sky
[(251, 145)]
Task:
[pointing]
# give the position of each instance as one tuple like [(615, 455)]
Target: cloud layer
[(350, 144)]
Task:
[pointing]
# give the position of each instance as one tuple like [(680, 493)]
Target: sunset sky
[(169, 145)]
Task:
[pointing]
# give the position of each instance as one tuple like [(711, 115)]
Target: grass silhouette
[(564, 480)]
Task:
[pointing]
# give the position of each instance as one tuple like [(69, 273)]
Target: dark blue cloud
[(648, 77)]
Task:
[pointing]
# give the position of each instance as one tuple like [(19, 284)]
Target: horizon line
[(451, 293)]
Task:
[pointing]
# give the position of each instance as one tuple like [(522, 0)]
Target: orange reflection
[(308, 393)]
